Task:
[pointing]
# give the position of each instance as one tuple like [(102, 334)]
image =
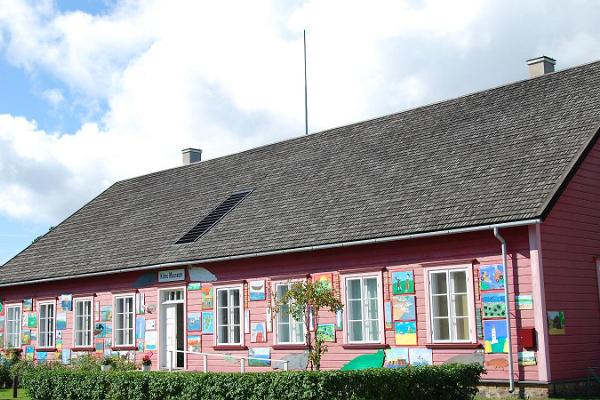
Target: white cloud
[(226, 75)]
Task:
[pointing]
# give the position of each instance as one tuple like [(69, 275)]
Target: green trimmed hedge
[(452, 382)]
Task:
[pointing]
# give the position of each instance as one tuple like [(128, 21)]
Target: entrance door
[(172, 329)]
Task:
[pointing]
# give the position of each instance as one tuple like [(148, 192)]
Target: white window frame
[(92, 322), (216, 289), (468, 268), (52, 337), (114, 325), (19, 306), (380, 310), (288, 283)]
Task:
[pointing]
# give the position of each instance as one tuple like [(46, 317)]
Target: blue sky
[(94, 91)]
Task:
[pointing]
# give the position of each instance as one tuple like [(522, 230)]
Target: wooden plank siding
[(415, 255), (570, 238)]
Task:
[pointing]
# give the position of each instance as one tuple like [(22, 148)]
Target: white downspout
[(511, 378)]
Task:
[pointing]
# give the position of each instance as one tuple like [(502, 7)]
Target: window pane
[(355, 310), (441, 329), (223, 334), (371, 286), (283, 333), (461, 305), (462, 329), (373, 309), (440, 306), (299, 332), (353, 289), (223, 298), (223, 316), (236, 334), (355, 333), (459, 279), (374, 331), (438, 283), (235, 293)]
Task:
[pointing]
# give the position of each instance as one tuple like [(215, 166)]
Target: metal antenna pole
[(305, 90)]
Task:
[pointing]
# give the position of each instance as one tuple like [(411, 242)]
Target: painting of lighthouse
[(495, 336)]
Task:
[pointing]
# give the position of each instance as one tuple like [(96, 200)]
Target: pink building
[(405, 214)]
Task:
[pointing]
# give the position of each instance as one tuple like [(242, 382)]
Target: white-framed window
[(124, 320), (229, 315), (83, 322), (287, 329), (46, 324), (363, 304), (13, 326), (451, 305)]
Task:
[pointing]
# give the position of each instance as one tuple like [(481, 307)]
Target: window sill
[(284, 346), (225, 347), (123, 348), (453, 345), (365, 346), (83, 349)]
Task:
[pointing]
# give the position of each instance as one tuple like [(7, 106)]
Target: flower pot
[(105, 368), (147, 368)]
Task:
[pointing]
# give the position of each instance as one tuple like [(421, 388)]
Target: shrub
[(454, 382)]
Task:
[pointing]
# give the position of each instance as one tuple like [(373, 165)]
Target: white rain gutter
[(288, 251), (511, 378)]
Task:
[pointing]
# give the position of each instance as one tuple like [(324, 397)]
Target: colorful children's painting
[(140, 327), (41, 357), (493, 305), (140, 303), (325, 281), (403, 282), (259, 357), (387, 313), (556, 323), (61, 321), (65, 356), (207, 298), (326, 332), (403, 308), (420, 356), (194, 321), (396, 357), (491, 277), (208, 322), (339, 320), (1, 309), (106, 313), (527, 358), (26, 337), (257, 290), (406, 333), (194, 286), (27, 305), (29, 353), (194, 343), (66, 302), (150, 340), (524, 302), (100, 329), (99, 346), (259, 332), (495, 336), (31, 320)]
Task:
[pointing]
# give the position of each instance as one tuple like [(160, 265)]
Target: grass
[(7, 394)]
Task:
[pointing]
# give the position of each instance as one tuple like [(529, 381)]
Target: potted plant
[(106, 363), (147, 362)]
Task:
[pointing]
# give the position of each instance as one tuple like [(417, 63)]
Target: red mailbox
[(526, 337)]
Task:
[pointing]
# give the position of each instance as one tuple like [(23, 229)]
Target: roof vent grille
[(213, 217)]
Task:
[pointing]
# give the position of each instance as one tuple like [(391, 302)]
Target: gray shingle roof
[(490, 157)]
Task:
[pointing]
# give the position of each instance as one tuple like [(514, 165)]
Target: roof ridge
[(365, 121)]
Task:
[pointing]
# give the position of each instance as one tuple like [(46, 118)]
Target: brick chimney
[(191, 156), (540, 66)]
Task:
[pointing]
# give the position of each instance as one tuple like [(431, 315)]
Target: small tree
[(303, 298)]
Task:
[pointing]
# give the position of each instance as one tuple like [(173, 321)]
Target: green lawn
[(7, 394)]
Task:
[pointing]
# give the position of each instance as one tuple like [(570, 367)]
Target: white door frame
[(160, 325)]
